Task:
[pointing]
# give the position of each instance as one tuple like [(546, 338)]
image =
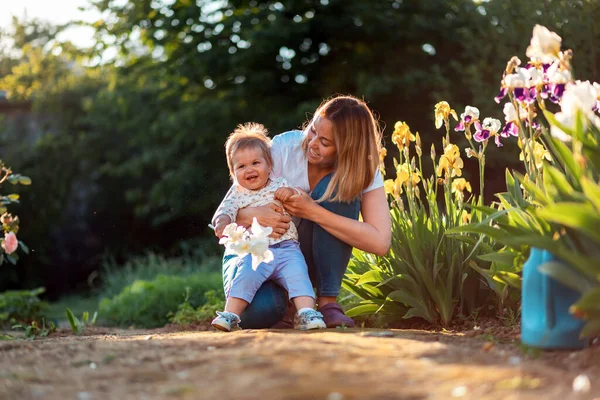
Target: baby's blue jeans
[(288, 269)]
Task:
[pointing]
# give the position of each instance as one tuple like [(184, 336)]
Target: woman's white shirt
[(290, 162)]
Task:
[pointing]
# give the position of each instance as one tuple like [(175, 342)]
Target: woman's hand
[(269, 215), (300, 204)]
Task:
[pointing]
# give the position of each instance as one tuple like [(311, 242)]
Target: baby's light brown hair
[(248, 135)]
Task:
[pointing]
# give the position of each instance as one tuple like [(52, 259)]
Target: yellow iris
[(539, 153), (442, 112), (389, 186), (450, 161), (404, 174), (466, 217), (402, 136), (460, 184)]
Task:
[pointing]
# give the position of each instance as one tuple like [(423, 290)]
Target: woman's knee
[(267, 308)]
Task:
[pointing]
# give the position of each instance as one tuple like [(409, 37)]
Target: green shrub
[(186, 314), (22, 306), (428, 274), (116, 277), (147, 303)]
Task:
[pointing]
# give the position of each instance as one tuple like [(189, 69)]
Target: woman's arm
[(269, 215), (373, 234)]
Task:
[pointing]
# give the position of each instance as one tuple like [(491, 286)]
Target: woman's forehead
[(323, 126)]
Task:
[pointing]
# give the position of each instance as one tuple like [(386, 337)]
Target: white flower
[(510, 113), (233, 233), (545, 44), (537, 77), (579, 96), (556, 75), (472, 112), (566, 120), (240, 248), (597, 87), (260, 231), (491, 124), (259, 244), (519, 79), (239, 241), (569, 121), (259, 248)]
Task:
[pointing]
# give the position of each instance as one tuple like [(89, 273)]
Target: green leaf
[(12, 258), (537, 193), (93, 322), (581, 217), (590, 301), (590, 329), (417, 312), (565, 154), (509, 278), (591, 191), (13, 197), (402, 296), (502, 257), (23, 247), (370, 277), (362, 309), (560, 182), (566, 275), (73, 321), (25, 180)]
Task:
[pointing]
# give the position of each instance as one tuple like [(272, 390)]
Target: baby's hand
[(220, 223), (284, 193)]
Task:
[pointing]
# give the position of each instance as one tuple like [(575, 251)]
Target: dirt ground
[(334, 364)]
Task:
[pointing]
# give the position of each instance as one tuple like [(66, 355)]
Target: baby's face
[(250, 168)]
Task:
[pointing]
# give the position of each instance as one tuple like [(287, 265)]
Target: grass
[(78, 303), (116, 277)]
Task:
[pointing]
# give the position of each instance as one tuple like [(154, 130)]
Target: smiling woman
[(333, 164)]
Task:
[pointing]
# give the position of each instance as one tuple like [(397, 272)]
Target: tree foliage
[(127, 150)]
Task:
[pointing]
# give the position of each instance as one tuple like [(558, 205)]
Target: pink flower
[(10, 243)]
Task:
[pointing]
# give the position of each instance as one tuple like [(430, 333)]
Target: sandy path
[(329, 365)]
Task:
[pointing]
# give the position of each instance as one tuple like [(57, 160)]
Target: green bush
[(428, 274), (186, 314), (116, 277), (21, 306), (147, 303)]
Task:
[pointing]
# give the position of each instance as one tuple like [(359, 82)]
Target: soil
[(334, 364)]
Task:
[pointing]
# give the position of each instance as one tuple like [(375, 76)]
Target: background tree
[(126, 152)]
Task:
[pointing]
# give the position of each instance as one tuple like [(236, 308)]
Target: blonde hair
[(357, 139), (248, 135)]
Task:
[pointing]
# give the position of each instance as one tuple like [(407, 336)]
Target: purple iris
[(480, 133), (557, 92), (526, 95), (501, 95), (460, 127), (510, 129)]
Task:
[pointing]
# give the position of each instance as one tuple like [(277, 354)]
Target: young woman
[(334, 162)]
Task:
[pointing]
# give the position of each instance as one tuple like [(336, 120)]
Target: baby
[(248, 151)]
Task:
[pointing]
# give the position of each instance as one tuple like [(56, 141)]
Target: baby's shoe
[(307, 318), (226, 321)]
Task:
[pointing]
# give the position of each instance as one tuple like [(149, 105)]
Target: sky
[(57, 12)]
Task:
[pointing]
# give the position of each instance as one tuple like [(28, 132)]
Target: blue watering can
[(545, 319)]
